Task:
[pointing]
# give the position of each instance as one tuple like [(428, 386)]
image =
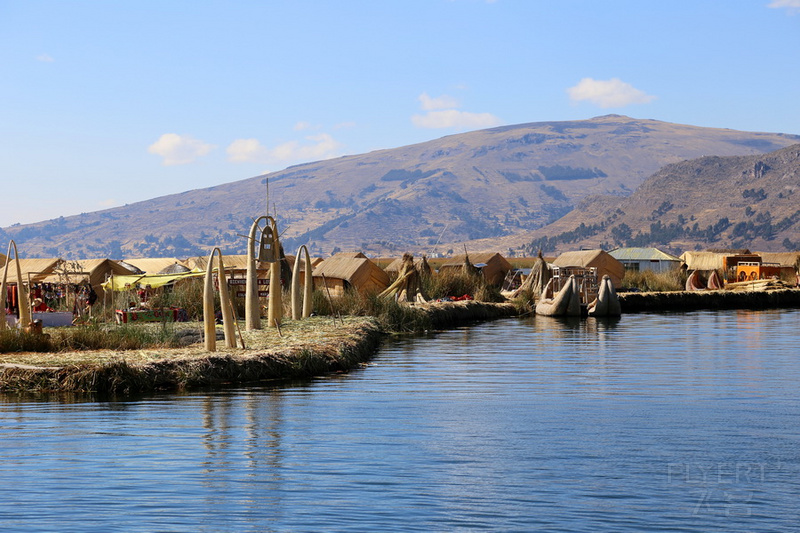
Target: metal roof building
[(638, 259)]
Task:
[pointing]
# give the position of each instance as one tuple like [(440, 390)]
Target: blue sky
[(105, 103)]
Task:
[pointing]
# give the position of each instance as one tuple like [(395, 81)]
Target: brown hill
[(494, 183), (722, 202)]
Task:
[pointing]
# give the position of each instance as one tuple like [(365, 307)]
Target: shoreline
[(301, 351), (682, 301), (306, 349)]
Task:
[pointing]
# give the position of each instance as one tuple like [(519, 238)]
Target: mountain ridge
[(501, 183)]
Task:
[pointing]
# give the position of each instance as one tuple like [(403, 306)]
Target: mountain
[(500, 183), (724, 202)]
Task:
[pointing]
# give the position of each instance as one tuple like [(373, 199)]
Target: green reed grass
[(89, 337)]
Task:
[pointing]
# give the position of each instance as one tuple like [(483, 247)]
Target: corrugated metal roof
[(642, 254)]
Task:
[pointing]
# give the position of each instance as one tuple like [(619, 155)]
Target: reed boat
[(607, 301), (694, 282), (566, 302)]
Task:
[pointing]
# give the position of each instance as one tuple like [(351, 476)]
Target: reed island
[(266, 317)]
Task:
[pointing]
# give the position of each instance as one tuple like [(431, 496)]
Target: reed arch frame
[(209, 320), (24, 305)]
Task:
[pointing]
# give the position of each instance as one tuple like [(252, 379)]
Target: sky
[(106, 103)]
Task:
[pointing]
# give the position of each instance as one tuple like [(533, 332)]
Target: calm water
[(653, 423)]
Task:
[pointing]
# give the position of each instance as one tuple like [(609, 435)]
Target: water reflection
[(534, 424)]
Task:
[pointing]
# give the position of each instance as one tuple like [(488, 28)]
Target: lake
[(653, 422)]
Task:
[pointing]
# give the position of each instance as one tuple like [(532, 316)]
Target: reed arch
[(269, 251), (209, 321), (22, 295), (308, 285)]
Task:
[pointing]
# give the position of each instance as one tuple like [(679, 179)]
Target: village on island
[(253, 301)]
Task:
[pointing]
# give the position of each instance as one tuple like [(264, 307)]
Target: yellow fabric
[(122, 283)]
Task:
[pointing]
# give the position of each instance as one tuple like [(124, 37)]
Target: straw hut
[(393, 268), (788, 261), (232, 263), (599, 259), (34, 270), (346, 270), (703, 261), (723, 261), (154, 265), (95, 271), (641, 259), (492, 265)]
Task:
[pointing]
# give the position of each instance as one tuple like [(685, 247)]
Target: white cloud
[(608, 93), (179, 149), (442, 102), (442, 112), (315, 147), (246, 150), (110, 202), (793, 6), (453, 118), (301, 126), (44, 58), (322, 146)]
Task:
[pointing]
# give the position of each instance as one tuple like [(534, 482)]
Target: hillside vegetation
[(726, 202)]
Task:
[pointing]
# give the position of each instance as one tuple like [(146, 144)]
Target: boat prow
[(564, 303), (607, 301)]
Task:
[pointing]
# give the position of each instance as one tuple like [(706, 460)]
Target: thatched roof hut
[(232, 262), (784, 259), (34, 270), (95, 271), (703, 261), (493, 266), (394, 267), (154, 265), (350, 270), (599, 259)]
